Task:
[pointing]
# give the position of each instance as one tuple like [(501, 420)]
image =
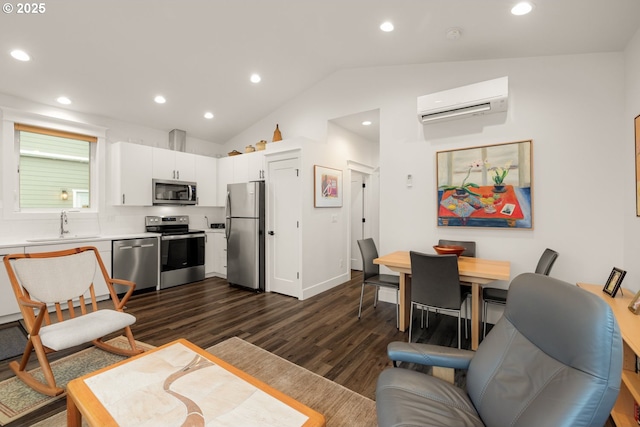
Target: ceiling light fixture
[(386, 26), (63, 100), (366, 123), (522, 8), (160, 99), (255, 78), (208, 115), (20, 55)]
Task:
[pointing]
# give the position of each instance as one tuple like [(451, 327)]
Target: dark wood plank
[(322, 334)]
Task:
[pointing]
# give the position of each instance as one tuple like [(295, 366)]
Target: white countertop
[(36, 241)]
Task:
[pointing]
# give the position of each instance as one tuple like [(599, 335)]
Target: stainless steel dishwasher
[(136, 260)]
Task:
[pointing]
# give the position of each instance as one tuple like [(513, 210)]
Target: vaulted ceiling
[(112, 57)]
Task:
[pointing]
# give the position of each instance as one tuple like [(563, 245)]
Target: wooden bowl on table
[(449, 249)]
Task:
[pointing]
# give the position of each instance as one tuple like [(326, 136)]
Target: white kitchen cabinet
[(240, 168), (173, 165), (215, 254), (237, 169), (104, 248), (8, 304), (206, 178), (225, 176), (220, 260), (255, 166), (131, 174), (209, 254)]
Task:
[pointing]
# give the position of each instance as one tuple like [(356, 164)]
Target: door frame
[(293, 154), (366, 171)]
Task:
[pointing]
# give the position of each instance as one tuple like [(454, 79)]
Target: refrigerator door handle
[(227, 221)]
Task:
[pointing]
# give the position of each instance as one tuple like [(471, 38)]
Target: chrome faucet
[(63, 221)]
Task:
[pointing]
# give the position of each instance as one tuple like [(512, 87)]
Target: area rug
[(13, 339), (340, 406), (18, 400)]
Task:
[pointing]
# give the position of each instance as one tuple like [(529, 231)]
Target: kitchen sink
[(62, 239)]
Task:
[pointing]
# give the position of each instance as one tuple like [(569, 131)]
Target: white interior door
[(283, 232), (357, 215)]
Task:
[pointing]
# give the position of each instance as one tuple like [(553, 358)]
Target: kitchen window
[(54, 168)]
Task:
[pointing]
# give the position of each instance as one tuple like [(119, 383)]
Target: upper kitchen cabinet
[(240, 168), (131, 174), (248, 167), (255, 166), (207, 178), (225, 176), (173, 165), (236, 169)]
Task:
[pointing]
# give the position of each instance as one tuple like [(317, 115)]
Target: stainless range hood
[(178, 140)]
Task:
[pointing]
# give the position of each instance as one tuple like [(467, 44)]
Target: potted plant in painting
[(498, 176), (465, 188)]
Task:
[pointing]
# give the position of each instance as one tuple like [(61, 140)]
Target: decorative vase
[(499, 188), (459, 193), (277, 136)]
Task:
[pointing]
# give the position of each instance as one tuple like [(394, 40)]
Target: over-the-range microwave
[(167, 192)]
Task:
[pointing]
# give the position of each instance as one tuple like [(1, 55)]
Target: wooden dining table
[(475, 271)]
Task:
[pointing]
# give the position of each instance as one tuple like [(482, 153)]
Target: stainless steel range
[(181, 250)]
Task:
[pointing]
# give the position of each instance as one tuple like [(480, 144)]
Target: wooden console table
[(629, 323)]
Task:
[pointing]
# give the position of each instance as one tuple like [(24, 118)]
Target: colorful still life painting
[(487, 186)]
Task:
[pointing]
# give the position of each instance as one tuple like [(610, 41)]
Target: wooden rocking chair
[(59, 279)]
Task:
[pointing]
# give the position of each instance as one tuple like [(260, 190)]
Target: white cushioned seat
[(83, 329)]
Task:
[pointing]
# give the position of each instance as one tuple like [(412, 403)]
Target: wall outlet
[(334, 218), (341, 263)]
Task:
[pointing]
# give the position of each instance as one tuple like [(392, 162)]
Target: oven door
[(181, 259)]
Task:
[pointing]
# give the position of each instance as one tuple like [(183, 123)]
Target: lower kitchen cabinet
[(8, 303), (215, 254)]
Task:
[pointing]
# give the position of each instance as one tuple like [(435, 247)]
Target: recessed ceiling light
[(20, 55), (255, 78), (522, 8), (386, 26), (160, 99), (64, 100), (366, 123), (208, 115)]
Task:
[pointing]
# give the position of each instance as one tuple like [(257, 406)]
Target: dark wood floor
[(322, 334)]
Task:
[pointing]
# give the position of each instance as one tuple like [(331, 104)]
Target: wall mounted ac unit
[(476, 99)]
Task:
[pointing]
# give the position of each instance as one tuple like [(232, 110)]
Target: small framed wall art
[(327, 187), (614, 281)]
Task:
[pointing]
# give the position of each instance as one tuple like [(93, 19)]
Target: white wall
[(572, 107), (632, 109), (112, 219), (325, 250)]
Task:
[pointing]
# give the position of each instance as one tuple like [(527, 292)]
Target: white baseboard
[(318, 288)]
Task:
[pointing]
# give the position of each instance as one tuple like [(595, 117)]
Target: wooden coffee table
[(180, 384)]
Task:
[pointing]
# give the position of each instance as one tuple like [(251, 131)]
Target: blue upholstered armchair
[(553, 359)]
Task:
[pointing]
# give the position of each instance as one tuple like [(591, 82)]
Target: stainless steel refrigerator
[(245, 224)]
